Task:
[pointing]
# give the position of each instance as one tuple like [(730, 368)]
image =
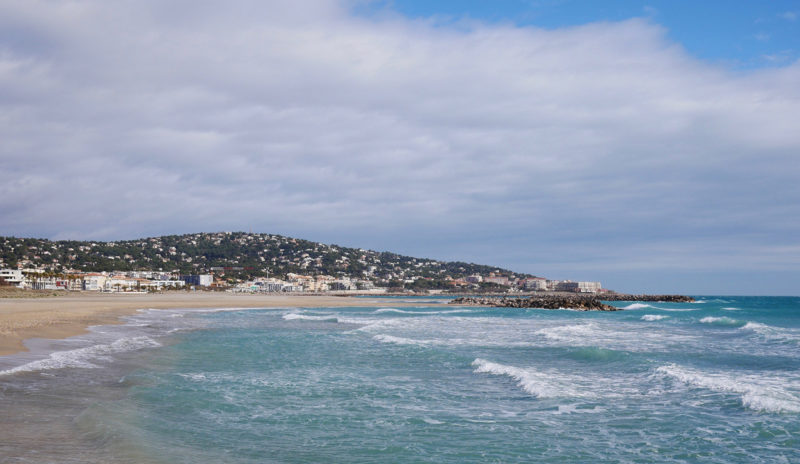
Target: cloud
[(788, 15), (761, 37), (143, 118)]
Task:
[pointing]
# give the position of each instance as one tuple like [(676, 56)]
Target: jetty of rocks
[(545, 302), (566, 301)]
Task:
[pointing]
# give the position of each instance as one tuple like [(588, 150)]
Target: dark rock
[(580, 303)]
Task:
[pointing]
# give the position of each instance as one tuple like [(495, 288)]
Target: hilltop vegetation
[(235, 254)]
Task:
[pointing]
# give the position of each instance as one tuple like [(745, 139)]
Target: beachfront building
[(342, 285), (499, 280), (158, 285), (553, 285), (94, 282), (202, 280), (580, 287), (535, 284), (121, 283), (12, 277)]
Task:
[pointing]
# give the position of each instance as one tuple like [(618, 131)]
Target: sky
[(653, 146)]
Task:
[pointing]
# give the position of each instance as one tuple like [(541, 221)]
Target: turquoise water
[(715, 381)]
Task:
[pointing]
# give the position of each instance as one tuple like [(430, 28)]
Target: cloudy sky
[(653, 146)]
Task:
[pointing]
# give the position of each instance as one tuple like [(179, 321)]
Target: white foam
[(679, 310), (637, 306), (653, 317), (574, 409), (402, 340), (570, 333), (755, 326), (430, 421), (82, 357), (305, 317), (775, 333), (538, 384), (732, 309), (759, 393), (724, 320), (390, 310), (400, 311)]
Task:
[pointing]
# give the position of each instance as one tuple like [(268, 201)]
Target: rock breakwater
[(580, 303)]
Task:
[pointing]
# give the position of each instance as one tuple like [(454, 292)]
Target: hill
[(237, 255)]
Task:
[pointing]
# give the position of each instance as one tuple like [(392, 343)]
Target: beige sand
[(72, 314)]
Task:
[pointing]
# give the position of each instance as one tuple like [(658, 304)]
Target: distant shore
[(72, 314)]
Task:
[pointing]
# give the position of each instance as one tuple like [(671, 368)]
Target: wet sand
[(72, 314)]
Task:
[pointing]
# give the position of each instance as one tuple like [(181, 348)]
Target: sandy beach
[(71, 314)]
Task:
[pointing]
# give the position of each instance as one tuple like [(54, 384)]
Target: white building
[(581, 287), (536, 284), (94, 282), (12, 277)]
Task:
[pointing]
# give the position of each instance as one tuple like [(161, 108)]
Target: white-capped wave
[(759, 393), (402, 340), (677, 310), (82, 357), (724, 320), (570, 333), (755, 326), (653, 317), (401, 311), (637, 306), (774, 333), (305, 317), (538, 384), (731, 308)]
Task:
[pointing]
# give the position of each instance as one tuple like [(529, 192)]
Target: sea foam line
[(756, 392), (400, 311), (81, 357), (304, 317)]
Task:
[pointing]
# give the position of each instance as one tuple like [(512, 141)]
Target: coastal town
[(249, 263), (147, 281)]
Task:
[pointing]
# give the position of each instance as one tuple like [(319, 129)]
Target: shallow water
[(714, 381)]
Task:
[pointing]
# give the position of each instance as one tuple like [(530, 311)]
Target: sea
[(714, 381)]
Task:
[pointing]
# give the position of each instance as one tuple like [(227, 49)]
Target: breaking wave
[(774, 333), (724, 321), (653, 317), (538, 384), (400, 311), (756, 393), (402, 340), (83, 357), (637, 306), (570, 333), (304, 317)]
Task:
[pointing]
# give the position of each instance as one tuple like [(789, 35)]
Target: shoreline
[(70, 315)]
